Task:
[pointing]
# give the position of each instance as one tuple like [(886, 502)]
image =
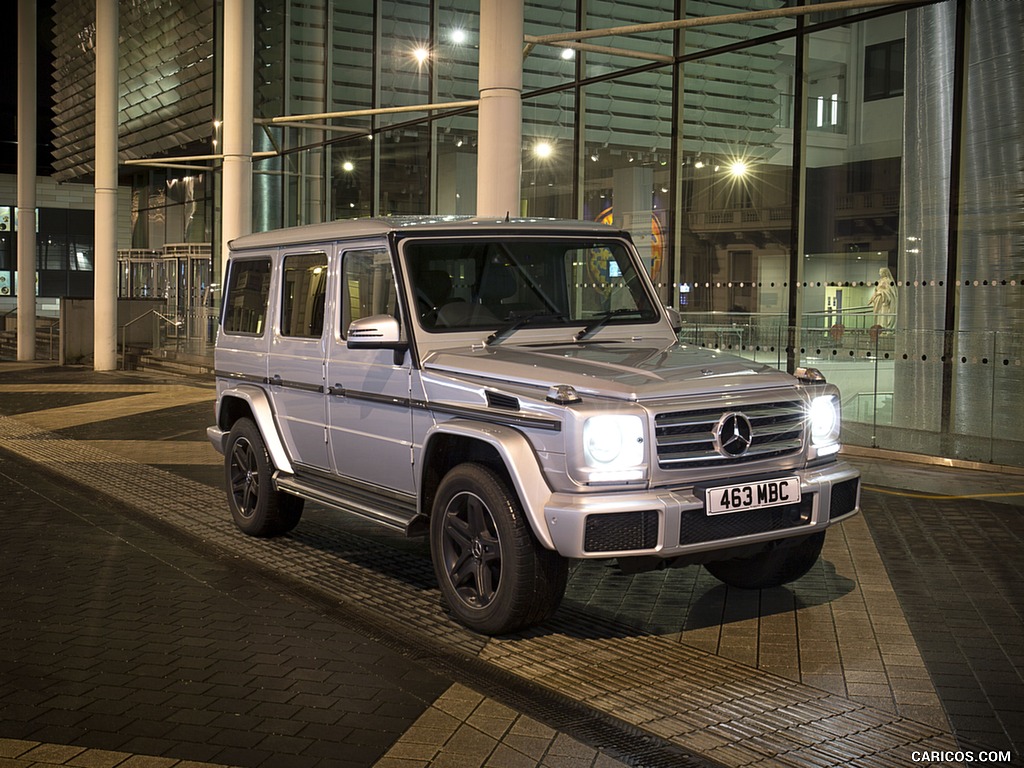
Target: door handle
[(337, 389)]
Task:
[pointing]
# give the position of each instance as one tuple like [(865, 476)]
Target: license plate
[(739, 498)]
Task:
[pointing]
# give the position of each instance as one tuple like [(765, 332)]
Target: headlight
[(825, 424), (614, 447)]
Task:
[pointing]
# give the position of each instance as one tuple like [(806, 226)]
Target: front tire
[(494, 575), (257, 508), (772, 568)]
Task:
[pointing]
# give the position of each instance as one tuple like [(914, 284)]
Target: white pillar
[(26, 179), (499, 145), (236, 176), (105, 254)]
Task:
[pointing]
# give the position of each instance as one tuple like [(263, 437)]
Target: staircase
[(47, 340), (176, 362)]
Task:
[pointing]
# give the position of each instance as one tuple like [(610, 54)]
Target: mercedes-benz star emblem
[(733, 434)]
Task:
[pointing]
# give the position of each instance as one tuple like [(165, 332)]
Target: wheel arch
[(252, 402), (503, 449)]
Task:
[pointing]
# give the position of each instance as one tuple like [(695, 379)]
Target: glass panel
[(735, 213), (245, 301), (548, 151), (303, 292)]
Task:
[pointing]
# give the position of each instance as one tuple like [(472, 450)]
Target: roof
[(360, 228)]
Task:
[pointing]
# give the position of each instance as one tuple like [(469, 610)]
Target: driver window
[(368, 286)]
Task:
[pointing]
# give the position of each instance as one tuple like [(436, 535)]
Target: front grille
[(696, 527), (686, 439), (844, 498), (621, 531)]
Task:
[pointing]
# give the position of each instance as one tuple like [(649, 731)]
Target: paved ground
[(905, 638)]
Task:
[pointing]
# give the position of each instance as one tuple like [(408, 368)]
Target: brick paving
[(118, 638), (959, 567), (830, 671)]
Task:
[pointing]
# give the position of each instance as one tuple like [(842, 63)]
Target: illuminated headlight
[(825, 424), (613, 448)]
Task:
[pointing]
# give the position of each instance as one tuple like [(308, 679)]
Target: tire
[(257, 508), (777, 566), (494, 575)]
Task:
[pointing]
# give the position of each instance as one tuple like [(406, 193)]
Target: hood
[(626, 371)]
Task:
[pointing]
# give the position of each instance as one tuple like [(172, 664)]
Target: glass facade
[(839, 189)]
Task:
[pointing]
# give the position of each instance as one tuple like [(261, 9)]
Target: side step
[(394, 510)]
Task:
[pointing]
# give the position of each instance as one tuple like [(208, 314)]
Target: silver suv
[(514, 390)]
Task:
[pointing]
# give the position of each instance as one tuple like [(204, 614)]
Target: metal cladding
[(990, 239), (166, 80)]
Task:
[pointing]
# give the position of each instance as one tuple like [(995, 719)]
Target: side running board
[(397, 511)]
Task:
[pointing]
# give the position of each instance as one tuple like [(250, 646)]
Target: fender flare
[(517, 454), (263, 415)]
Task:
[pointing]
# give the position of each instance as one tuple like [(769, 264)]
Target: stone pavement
[(846, 666)]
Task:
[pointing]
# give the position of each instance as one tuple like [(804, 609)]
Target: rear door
[(295, 365)]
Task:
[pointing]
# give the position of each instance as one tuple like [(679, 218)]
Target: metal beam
[(727, 18)]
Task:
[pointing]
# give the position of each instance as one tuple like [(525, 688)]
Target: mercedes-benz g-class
[(516, 391)]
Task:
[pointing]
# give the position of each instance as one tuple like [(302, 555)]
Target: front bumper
[(668, 523)]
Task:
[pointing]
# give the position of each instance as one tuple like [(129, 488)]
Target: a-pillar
[(105, 254), (26, 179), (499, 144), (236, 180)]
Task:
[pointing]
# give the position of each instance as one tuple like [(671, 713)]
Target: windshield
[(496, 284)]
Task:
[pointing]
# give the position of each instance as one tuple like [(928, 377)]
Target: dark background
[(9, 89)]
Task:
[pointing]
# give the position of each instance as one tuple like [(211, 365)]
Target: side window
[(245, 302), (303, 291), (367, 285)]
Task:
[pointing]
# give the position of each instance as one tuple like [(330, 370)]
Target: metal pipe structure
[(499, 155), (236, 182), (368, 112), (726, 18), (105, 255), (26, 179)]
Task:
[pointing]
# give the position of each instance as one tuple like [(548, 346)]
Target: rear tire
[(773, 568), (495, 577), (257, 508)]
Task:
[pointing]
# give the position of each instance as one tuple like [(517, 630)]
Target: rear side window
[(245, 302), (303, 291)]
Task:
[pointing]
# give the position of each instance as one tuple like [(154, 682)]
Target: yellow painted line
[(938, 497), (161, 451), (62, 417)]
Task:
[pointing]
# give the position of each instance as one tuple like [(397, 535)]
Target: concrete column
[(105, 255), (26, 179), (236, 180), (499, 145)]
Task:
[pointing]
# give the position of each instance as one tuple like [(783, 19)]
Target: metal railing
[(160, 323), (947, 394)]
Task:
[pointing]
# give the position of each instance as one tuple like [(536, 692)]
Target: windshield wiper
[(519, 319), (600, 321)]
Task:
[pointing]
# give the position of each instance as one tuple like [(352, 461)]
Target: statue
[(884, 299)]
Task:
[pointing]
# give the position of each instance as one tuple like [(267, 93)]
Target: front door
[(369, 416)]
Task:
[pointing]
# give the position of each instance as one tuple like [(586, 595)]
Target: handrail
[(124, 328)]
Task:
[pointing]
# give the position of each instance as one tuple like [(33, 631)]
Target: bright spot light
[(542, 149), (348, 166), (699, 164), (458, 36), (421, 55), (568, 54), (739, 168)]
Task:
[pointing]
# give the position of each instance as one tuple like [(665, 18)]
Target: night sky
[(9, 90)]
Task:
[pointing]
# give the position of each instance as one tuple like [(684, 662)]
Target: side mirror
[(675, 318), (377, 332)]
